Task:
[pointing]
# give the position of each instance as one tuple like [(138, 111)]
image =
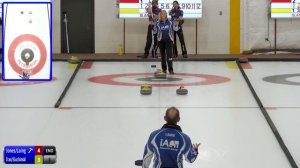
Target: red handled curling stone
[(243, 59), (182, 91)]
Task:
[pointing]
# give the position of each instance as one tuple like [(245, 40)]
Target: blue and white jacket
[(168, 145), (164, 30)]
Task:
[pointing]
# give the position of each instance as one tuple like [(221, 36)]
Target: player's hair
[(154, 1), (159, 15), (163, 11), (171, 120), (177, 4)]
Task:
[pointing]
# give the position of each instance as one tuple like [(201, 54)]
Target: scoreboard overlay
[(285, 9), (29, 155)]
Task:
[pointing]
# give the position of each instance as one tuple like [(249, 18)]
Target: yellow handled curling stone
[(159, 74)]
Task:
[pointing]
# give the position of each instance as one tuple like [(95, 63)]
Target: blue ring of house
[(137, 79), (283, 79)]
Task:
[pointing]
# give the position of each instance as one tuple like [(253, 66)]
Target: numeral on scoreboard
[(38, 159)]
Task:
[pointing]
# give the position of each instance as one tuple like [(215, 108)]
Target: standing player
[(169, 144), (153, 18), (164, 30), (177, 17)]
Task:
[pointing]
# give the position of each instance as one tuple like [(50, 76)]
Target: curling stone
[(146, 85), (146, 89), (159, 74), (74, 60), (243, 59), (182, 91), (248, 51)]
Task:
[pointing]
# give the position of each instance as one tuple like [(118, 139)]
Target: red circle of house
[(23, 83), (17, 41), (110, 79)]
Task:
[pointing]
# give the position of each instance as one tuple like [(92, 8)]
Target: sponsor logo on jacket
[(171, 145)]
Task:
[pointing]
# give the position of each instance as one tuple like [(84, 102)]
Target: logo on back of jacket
[(169, 144), (166, 27)]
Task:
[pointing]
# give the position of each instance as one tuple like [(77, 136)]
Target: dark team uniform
[(175, 15), (150, 36), (168, 145), (164, 31)]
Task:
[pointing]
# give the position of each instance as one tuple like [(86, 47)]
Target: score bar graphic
[(30, 155)]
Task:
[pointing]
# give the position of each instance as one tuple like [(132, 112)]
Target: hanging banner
[(192, 9)]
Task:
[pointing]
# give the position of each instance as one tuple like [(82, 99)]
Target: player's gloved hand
[(152, 26), (181, 22), (176, 28), (138, 162), (196, 146)]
